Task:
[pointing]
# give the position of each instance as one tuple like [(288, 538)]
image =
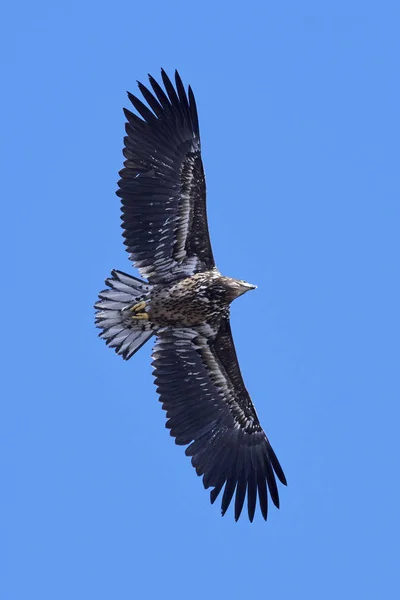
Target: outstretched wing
[(208, 407), (162, 186)]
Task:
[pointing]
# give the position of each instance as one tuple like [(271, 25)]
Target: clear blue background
[(299, 111)]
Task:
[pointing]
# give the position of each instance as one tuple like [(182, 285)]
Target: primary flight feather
[(185, 302)]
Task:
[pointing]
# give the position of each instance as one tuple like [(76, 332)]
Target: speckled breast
[(187, 302)]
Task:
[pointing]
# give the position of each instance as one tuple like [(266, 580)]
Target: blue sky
[(299, 115)]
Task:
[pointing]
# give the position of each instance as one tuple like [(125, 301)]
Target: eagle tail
[(114, 317)]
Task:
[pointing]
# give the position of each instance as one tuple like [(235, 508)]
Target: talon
[(138, 311), (138, 307)]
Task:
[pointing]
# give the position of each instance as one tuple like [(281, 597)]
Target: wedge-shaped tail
[(114, 315)]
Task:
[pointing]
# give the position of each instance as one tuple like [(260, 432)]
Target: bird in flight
[(184, 302)]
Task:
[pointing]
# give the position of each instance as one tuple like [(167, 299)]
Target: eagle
[(184, 302)]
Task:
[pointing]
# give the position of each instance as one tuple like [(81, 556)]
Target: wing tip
[(177, 100), (255, 480)]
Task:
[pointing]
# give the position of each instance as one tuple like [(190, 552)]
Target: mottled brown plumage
[(193, 301)]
